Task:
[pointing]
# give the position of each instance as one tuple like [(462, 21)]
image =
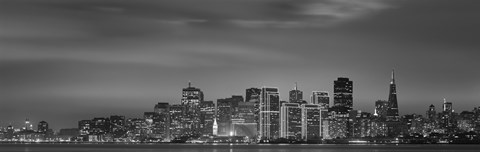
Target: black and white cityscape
[(261, 117), (123, 75)]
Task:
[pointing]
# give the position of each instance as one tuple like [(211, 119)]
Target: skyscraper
[(177, 116), (207, 117), (392, 112), (339, 125), (42, 127), (295, 95), (85, 126), (243, 122), (269, 113), (291, 121), (321, 98), (224, 116), (311, 122), (431, 113), (252, 95), (28, 125), (447, 106), (191, 98), (447, 116), (161, 120), (117, 123), (381, 108), (343, 93)]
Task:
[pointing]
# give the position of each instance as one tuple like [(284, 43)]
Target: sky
[(68, 60)]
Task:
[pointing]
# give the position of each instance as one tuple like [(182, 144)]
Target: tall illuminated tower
[(296, 95), (191, 98), (392, 112), (269, 113), (343, 93)]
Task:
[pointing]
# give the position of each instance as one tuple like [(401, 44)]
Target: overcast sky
[(66, 60)]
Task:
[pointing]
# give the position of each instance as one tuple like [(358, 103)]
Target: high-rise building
[(85, 126), (161, 120), (117, 123), (337, 123), (224, 115), (28, 125), (466, 121), (235, 100), (245, 124), (207, 117), (10, 132), (42, 127), (252, 95), (431, 113), (392, 112), (381, 108), (291, 121), (447, 106), (343, 93), (149, 129), (360, 122), (191, 98), (269, 113), (321, 98), (246, 111), (177, 116), (100, 126), (311, 122), (394, 126), (447, 116), (295, 95)]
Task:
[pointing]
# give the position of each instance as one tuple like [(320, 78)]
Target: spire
[(189, 83), (444, 100), (393, 77), (296, 87)]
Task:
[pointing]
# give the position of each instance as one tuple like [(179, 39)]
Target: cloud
[(93, 30), (319, 13)]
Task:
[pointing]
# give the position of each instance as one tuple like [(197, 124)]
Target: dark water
[(231, 148)]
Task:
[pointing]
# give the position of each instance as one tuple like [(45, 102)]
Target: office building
[(311, 122), (269, 114), (291, 121), (321, 98)]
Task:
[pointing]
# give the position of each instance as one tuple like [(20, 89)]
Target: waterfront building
[(207, 117), (269, 114), (343, 93), (191, 99), (291, 121), (177, 116), (161, 120), (84, 126), (381, 108), (311, 122)]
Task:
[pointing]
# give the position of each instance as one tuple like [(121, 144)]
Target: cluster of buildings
[(262, 117)]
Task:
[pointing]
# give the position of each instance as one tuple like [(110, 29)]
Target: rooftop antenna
[(189, 83), (296, 92), (393, 76)]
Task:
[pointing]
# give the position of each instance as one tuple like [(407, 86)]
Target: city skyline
[(199, 99), (67, 61)]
